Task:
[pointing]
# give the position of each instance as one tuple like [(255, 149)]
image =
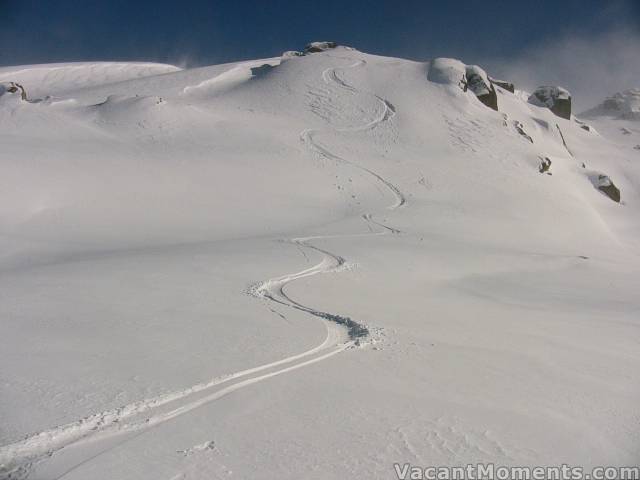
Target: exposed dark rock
[(490, 99), (556, 99), (584, 126), (545, 165), (262, 69), (520, 129), (637, 147), (606, 186), (479, 83), (13, 87), (562, 108), (563, 140), (508, 86), (316, 47)]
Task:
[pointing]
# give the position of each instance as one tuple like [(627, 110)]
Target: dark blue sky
[(204, 32)]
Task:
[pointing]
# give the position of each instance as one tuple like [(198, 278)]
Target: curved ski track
[(104, 431), (274, 289)]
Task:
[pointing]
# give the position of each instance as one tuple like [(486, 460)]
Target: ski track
[(116, 427), (274, 289)]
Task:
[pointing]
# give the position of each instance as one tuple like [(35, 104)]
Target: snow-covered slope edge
[(58, 78)]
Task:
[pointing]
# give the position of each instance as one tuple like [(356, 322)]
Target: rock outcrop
[(262, 69), (478, 82), (545, 165), (508, 86), (556, 99), (520, 129), (584, 126), (315, 47), (606, 186), (449, 71), (13, 88)]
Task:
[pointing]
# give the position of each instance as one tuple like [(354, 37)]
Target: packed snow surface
[(313, 266)]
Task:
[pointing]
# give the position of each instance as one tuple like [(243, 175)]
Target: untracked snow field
[(309, 267)]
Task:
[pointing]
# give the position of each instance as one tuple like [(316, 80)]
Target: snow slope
[(309, 267)]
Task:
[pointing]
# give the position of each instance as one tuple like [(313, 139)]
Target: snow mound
[(234, 76), (447, 71), (57, 78), (116, 106)]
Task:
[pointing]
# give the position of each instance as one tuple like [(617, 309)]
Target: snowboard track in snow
[(274, 289), (102, 432)]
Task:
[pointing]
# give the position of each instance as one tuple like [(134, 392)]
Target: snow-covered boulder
[(449, 71), (556, 99), (606, 186), (12, 88), (315, 47), (478, 82), (291, 54), (545, 165), (623, 105), (262, 69), (508, 86)]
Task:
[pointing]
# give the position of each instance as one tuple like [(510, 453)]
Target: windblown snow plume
[(622, 105), (591, 66)]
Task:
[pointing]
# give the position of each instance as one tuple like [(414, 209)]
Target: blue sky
[(204, 32)]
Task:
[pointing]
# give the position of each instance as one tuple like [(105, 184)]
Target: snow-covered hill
[(622, 106), (311, 266)]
